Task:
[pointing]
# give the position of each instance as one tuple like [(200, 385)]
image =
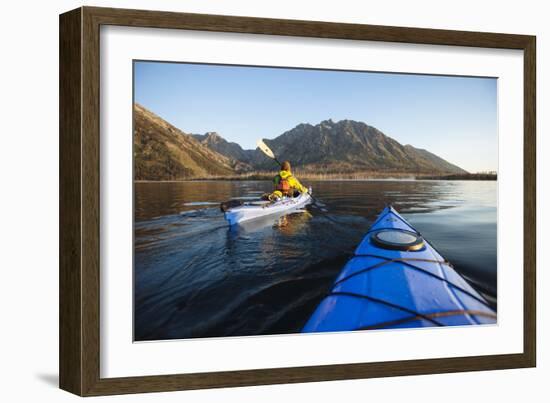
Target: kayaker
[(286, 184)]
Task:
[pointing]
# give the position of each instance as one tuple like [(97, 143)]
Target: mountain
[(163, 152), (231, 150), (349, 146)]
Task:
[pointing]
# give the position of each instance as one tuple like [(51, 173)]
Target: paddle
[(267, 151)]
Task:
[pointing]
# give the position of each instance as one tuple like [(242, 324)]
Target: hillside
[(163, 152), (444, 166)]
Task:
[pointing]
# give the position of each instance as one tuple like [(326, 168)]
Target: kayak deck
[(396, 279), (254, 210)]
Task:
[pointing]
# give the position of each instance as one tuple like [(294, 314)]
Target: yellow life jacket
[(282, 182)]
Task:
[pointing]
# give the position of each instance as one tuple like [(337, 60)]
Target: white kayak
[(253, 210)]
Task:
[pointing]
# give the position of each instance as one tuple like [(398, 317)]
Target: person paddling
[(286, 184)]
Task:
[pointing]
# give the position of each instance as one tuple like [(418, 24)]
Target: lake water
[(196, 277)]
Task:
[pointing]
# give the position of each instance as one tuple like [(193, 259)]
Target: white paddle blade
[(265, 149)]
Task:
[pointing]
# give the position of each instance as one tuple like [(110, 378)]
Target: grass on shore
[(461, 177)]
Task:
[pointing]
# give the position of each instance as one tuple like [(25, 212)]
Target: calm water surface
[(196, 277)]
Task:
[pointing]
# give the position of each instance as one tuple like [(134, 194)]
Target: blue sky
[(453, 117)]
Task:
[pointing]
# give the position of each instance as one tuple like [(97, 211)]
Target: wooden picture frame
[(80, 186)]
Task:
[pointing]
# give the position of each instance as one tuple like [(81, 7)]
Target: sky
[(453, 117)]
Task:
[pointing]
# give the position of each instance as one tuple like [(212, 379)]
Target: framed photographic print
[(251, 201)]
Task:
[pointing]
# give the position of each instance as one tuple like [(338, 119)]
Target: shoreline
[(472, 177)]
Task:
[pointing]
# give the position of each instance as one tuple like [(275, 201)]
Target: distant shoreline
[(334, 177), (462, 177)]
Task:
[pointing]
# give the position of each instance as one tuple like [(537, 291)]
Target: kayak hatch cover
[(253, 210), (396, 279)]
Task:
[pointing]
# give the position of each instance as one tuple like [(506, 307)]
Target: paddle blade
[(265, 149)]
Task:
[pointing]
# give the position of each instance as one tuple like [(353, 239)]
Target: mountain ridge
[(230, 149), (347, 146), (329, 147)]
